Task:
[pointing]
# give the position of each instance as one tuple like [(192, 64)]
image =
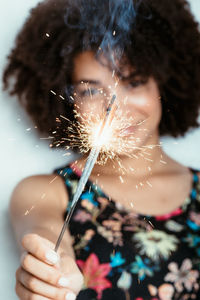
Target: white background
[(23, 153)]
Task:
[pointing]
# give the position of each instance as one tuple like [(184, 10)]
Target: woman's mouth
[(131, 129)]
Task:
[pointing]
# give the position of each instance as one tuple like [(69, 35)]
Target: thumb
[(69, 267)]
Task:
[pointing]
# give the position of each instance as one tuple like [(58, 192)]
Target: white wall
[(23, 153)]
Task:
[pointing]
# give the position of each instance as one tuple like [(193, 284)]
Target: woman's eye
[(136, 83), (89, 92)]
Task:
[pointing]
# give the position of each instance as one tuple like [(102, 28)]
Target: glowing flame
[(101, 138)]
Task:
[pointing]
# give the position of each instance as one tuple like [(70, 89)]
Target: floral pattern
[(164, 291), (94, 274), (155, 244), (124, 281), (128, 256), (183, 277), (141, 268), (173, 226)]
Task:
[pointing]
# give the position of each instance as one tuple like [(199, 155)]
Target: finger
[(39, 287), (70, 269), (44, 272), (40, 248), (25, 294)]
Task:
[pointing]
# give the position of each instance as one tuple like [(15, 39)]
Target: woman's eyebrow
[(87, 81)]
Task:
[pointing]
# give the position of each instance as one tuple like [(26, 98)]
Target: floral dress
[(129, 256)]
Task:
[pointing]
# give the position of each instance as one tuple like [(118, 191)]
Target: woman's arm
[(37, 207)]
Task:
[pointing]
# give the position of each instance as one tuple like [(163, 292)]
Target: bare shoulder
[(38, 187)]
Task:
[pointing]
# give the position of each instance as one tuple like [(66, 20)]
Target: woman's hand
[(44, 274)]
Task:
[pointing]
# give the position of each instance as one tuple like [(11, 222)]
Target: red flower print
[(94, 274)]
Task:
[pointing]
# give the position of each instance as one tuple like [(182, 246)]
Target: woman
[(134, 235)]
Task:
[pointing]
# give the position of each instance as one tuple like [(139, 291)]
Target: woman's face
[(137, 102)]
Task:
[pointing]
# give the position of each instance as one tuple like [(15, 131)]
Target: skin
[(37, 219)]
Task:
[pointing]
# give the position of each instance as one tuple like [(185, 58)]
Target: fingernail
[(70, 296), (63, 281), (52, 257)]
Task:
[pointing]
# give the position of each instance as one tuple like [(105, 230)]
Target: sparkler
[(92, 158)]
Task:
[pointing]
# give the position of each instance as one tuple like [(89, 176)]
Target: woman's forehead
[(87, 63)]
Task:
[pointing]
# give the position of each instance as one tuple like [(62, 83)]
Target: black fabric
[(129, 256)]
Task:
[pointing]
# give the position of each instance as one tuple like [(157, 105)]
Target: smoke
[(105, 23)]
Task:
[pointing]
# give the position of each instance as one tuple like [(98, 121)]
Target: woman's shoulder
[(38, 181), (49, 186)]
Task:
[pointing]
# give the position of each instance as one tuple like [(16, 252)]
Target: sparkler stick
[(94, 153)]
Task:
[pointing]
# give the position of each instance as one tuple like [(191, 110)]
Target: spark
[(151, 224), (28, 129), (43, 196), (116, 83), (83, 134), (67, 154), (131, 169), (163, 162), (28, 211), (140, 123), (149, 183), (46, 138), (64, 118), (58, 120), (152, 146), (125, 100), (53, 179), (121, 179), (54, 93), (47, 35), (147, 153), (146, 158), (61, 97)]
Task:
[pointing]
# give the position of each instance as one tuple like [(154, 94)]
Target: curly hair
[(162, 41)]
